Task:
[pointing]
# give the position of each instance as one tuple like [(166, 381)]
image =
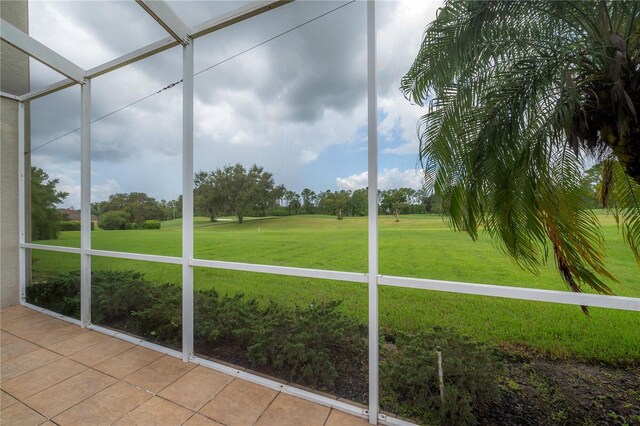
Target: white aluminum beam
[(235, 16), (521, 293), (85, 203), (47, 247), (132, 57), (187, 201), (22, 237), (283, 270), (10, 96), (136, 256), (162, 13), (46, 90), (39, 51), (372, 126)]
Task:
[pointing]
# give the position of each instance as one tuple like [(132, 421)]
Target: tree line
[(232, 190)]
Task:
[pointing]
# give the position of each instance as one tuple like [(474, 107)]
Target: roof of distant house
[(74, 215)]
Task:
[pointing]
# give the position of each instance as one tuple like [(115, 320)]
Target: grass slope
[(417, 246)]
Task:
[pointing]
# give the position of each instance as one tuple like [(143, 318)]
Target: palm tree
[(523, 96)]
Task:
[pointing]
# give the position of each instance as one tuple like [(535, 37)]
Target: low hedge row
[(311, 345), (71, 225)]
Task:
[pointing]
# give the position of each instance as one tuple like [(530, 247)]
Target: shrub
[(59, 293), (151, 224), (69, 225), (113, 220), (410, 373), (307, 343), (129, 226)]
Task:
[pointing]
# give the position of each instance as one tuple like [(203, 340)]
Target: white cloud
[(388, 179)]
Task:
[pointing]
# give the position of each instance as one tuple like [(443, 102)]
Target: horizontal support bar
[(531, 294), (521, 293), (74, 250), (281, 387), (238, 15), (9, 96), (51, 313), (40, 52), (132, 57), (136, 256), (282, 270), (135, 340), (47, 90)]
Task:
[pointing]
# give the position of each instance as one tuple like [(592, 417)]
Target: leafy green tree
[(309, 201), (519, 94), (293, 202), (335, 203), (44, 198), (394, 201), (138, 205), (114, 220), (208, 199), (238, 191), (359, 202)]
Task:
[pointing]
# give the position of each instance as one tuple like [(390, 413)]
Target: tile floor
[(52, 372)]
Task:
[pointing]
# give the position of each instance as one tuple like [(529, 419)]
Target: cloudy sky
[(296, 105)]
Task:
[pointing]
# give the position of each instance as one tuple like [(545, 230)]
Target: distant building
[(74, 215)]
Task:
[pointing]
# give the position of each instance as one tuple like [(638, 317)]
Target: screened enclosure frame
[(181, 34)]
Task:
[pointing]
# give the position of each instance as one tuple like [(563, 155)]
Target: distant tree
[(208, 199), (309, 201), (171, 209), (395, 200), (113, 220), (359, 202), (335, 203), (138, 205), (44, 198), (238, 191), (292, 199)]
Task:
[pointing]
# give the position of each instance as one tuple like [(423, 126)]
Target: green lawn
[(417, 246)]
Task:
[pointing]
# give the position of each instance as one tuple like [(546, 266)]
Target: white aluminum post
[(22, 256), (85, 203), (372, 125), (187, 201)]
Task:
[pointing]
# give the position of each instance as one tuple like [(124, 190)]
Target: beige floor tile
[(105, 407), (340, 418), (41, 327), (14, 312), (6, 400), (160, 373), (289, 410), (23, 364), (20, 415), (196, 388), (8, 339), (128, 362), (78, 343), (200, 420), (240, 403), (19, 348), (101, 352), (41, 378), (156, 411), (64, 395), (58, 335), (18, 325)]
